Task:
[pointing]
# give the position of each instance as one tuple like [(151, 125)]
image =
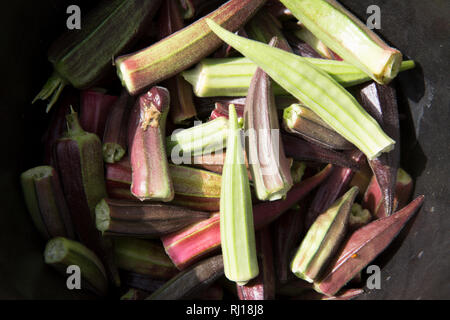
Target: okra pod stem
[(46, 203), (63, 253), (82, 58), (150, 168), (146, 220), (182, 49)]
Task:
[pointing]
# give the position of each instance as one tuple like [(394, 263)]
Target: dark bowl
[(416, 265)]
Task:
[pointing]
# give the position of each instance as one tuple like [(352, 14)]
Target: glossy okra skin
[(94, 109), (270, 169), (79, 160), (190, 282), (336, 106), (146, 131), (116, 129), (208, 76), (46, 203), (323, 238), (302, 150), (343, 33), (61, 253), (83, 57), (194, 242), (236, 215), (301, 121), (149, 220), (362, 246), (197, 140), (381, 102), (143, 257), (179, 51), (306, 35), (287, 231), (195, 189)]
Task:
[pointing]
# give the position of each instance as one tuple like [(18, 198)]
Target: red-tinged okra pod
[(373, 197), (181, 96), (142, 220), (57, 126), (331, 189), (362, 246), (181, 50), (79, 160), (146, 142), (194, 242), (301, 150), (287, 231), (263, 286), (94, 109), (46, 203), (268, 164), (221, 110), (380, 101), (116, 129)]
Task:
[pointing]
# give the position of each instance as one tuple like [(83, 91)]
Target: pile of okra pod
[(245, 149)]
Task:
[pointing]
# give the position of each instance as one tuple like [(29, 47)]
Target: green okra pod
[(83, 57), (213, 77), (143, 257), (343, 33), (181, 50), (323, 238), (62, 253), (236, 215), (317, 90)]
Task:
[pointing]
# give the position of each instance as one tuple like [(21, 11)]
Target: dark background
[(417, 264)]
